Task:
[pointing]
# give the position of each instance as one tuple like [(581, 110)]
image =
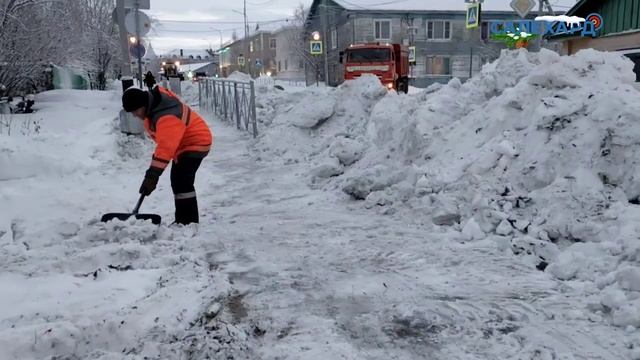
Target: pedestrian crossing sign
[(316, 47), (473, 15)]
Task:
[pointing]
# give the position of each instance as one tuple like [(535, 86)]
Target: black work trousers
[(183, 176)]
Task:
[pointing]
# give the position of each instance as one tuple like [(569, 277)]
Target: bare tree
[(35, 34), (99, 43), (32, 34), (298, 39)]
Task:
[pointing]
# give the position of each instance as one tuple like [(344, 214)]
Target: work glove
[(150, 182)]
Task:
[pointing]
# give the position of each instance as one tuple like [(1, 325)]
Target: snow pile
[(121, 285), (190, 92), (320, 123), (538, 152), (264, 82), (239, 76), (38, 144)]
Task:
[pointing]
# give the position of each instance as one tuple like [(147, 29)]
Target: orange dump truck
[(389, 62)]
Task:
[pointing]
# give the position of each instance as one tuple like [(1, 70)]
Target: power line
[(260, 4), (378, 4), (218, 21), (200, 31)]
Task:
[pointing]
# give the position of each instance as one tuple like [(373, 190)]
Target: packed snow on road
[(492, 219)]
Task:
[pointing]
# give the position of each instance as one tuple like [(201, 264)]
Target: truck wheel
[(403, 85)]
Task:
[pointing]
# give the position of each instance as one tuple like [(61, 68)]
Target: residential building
[(620, 30), (289, 54), (257, 52), (445, 48)]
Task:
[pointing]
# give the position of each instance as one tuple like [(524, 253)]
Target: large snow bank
[(538, 151), (239, 76), (307, 127)]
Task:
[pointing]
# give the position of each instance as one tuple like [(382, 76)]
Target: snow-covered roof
[(265, 27), (194, 67), (425, 5), (151, 54), (188, 52)]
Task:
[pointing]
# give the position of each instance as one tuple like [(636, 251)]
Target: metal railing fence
[(232, 101)]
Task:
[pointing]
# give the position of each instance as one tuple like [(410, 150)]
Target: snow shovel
[(155, 219)]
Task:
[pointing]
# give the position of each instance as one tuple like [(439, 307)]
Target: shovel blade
[(155, 219)]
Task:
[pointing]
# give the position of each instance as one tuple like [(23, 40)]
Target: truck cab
[(389, 62), (171, 69)]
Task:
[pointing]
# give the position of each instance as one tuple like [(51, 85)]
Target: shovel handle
[(137, 208)]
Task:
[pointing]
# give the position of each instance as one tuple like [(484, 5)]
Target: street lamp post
[(220, 32), (245, 43), (325, 46), (219, 50), (316, 37), (137, 12)]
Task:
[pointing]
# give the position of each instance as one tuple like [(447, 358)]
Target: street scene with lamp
[(330, 179)]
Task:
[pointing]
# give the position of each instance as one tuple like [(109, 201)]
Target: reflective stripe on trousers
[(183, 196)]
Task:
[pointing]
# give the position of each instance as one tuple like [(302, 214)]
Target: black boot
[(187, 210)]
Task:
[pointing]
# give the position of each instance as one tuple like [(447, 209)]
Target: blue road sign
[(473, 16), (136, 49), (316, 47)]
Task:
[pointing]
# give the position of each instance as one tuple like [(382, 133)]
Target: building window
[(439, 30), (279, 66), (286, 64), (251, 46), (272, 43), (382, 29), (438, 65), (334, 38)]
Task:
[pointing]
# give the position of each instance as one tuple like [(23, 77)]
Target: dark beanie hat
[(134, 98)]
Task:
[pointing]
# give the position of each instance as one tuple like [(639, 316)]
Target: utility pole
[(470, 63), (124, 41), (325, 42), (246, 43), (138, 42), (549, 8), (540, 13)]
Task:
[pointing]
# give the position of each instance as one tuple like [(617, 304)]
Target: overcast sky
[(200, 24)]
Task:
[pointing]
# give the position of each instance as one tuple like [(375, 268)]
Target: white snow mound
[(537, 146)]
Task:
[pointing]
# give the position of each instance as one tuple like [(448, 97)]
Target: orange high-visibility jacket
[(176, 129)]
